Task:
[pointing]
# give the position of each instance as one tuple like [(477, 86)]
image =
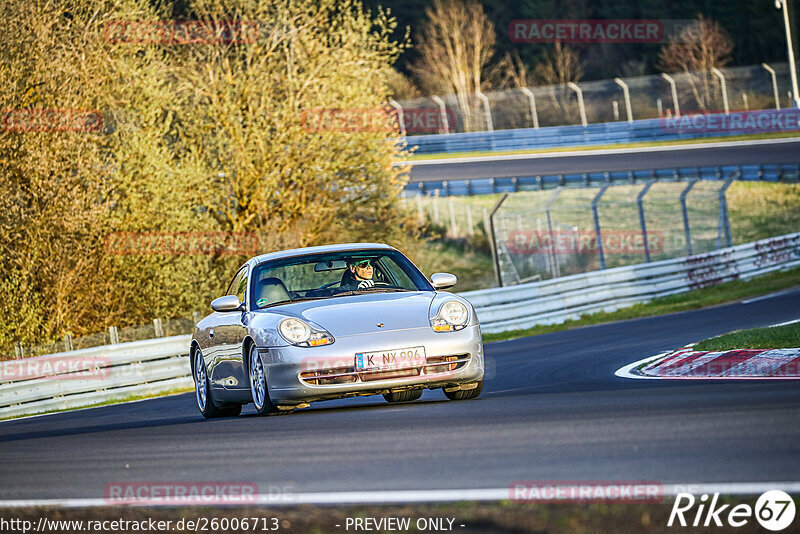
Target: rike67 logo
[(774, 510)]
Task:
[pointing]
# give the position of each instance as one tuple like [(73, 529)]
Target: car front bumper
[(284, 365)]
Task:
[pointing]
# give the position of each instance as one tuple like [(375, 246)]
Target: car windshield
[(333, 274)]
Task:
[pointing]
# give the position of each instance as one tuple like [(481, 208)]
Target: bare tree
[(697, 49), (556, 69), (511, 72), (456, 45), (559, 66)]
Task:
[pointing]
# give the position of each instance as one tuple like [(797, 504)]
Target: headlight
[(453, 315), (300, 333)]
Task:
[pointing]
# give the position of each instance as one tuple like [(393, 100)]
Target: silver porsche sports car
[(322, 323)]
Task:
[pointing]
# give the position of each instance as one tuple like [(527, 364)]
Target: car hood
[(360, 314)]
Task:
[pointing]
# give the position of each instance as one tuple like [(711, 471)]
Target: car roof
[(343, 247)]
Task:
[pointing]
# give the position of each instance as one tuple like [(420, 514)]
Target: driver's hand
[(366, 284)]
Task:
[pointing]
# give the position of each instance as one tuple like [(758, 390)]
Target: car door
[(228, 336)]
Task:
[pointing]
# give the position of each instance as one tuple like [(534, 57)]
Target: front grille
[(368, 376), (443, 364), (348, 375), (335, 375)]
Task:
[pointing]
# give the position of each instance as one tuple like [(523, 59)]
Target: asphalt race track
[(747, 153), (552, 409)]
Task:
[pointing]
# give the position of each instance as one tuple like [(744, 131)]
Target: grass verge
[(130, 398), (503, 517), (774, 337), (423, 157), (701, 298)]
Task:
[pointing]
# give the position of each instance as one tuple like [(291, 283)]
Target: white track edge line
[(410, 496)]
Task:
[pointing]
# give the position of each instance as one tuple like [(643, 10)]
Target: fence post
[(196, 316), (400, 119), (443, 111), (718, 74), (495, 257), (469, 221), (553, 250), (158, 328), (436, 206), (453, 228), (724, 226), (642, 222), (596, 217), (113, 335), (18, 350), (774, 85), (674, 89), (532, 100), (686, 228), (581, 107), (486, 109), (627, 96), (68, 346)]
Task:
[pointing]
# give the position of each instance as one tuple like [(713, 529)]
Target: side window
[(238, 286)]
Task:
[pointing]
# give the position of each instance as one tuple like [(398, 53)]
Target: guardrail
[(89, 376), (555, 301), (780, 172), (112, 372), (607, 133)]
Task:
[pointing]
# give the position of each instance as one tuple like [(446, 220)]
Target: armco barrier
[(158, 365), (114, 372), (781, 172), (561, 299), (607, 133)]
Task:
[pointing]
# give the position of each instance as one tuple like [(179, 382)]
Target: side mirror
[(443, 280), (228, 303)]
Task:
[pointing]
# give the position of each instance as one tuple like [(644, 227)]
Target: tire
[(204, 396), (259, 391), (465, 394), (407, 395)]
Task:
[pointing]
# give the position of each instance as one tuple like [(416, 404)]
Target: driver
[(359, 275)]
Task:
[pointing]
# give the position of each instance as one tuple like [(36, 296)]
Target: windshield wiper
[(301, 299), (371, 290)]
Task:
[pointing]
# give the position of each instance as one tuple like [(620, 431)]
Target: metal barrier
[(113, 372), (570, 297), (607, 133), (781, 172), (90, 376)]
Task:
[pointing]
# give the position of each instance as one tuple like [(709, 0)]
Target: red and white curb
[(688, 364)]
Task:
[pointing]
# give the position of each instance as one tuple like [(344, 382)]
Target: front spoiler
[(284, 364)]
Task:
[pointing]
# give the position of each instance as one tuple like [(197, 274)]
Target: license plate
[(390, 359)]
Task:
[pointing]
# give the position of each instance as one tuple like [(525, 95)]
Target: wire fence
[(546, 234), (751, 87)]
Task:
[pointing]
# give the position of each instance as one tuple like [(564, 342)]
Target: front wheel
[(465, 394), (258, 386), (203, 394), (407, 395)]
